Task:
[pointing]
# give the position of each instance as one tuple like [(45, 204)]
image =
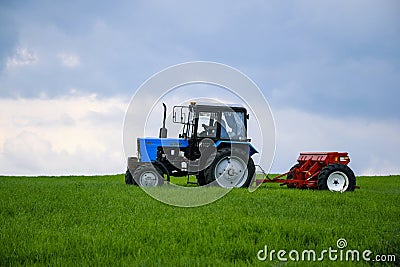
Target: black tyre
[(201, 178), (290, 176), (336, 178), (129, 178), (148, 175), (231, 168)]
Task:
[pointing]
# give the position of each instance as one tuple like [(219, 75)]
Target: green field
[(100, 221)]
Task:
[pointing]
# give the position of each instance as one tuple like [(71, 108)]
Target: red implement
[(318, 170)]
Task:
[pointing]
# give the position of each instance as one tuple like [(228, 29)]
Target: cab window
[(207, 126)]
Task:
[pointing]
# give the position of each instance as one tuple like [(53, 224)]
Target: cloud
[(69, 60), (22, 57), (82, 134), (327, 61), (312, 56), (67, 135), (372, 144), (301, 45), (363, 87)]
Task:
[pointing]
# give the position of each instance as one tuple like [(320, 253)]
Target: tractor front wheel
[(336, 178), (231, 168), (148, 175), (129, 178)]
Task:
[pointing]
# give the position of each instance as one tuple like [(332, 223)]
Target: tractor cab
[(215, 122), (207, 126)]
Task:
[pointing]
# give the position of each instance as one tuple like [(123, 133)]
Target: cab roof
[(215, 107)]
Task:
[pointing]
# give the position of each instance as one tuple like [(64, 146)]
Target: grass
[(101, 221)]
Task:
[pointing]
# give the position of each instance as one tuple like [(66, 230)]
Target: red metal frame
[(310, 165)]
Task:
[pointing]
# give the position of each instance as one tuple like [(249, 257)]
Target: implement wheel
[(336, 178), (290, 176)]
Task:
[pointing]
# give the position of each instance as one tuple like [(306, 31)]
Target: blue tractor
[(212, 145)]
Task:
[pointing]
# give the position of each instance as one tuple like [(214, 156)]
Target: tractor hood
[(147, 147)]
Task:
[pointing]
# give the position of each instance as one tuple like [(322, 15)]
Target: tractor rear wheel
[(201, 178), (290, 176), (231, 168), (129, 178), (336, 178), (148, 175)]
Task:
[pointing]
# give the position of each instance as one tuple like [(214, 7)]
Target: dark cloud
[(320, 57)]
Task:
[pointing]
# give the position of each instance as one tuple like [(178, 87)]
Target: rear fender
[(249, 146)]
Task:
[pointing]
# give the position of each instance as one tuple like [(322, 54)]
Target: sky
[(330, 71)]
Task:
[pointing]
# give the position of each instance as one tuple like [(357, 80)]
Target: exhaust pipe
[(163, 130)]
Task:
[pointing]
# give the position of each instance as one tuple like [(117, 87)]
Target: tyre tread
[(327, 170)]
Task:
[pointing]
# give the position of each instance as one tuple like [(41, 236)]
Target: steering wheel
[(208, 129)]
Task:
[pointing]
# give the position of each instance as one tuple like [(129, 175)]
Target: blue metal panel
[(148, 146), (252, 150)]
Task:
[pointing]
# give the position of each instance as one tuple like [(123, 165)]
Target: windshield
[(233, 125)]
